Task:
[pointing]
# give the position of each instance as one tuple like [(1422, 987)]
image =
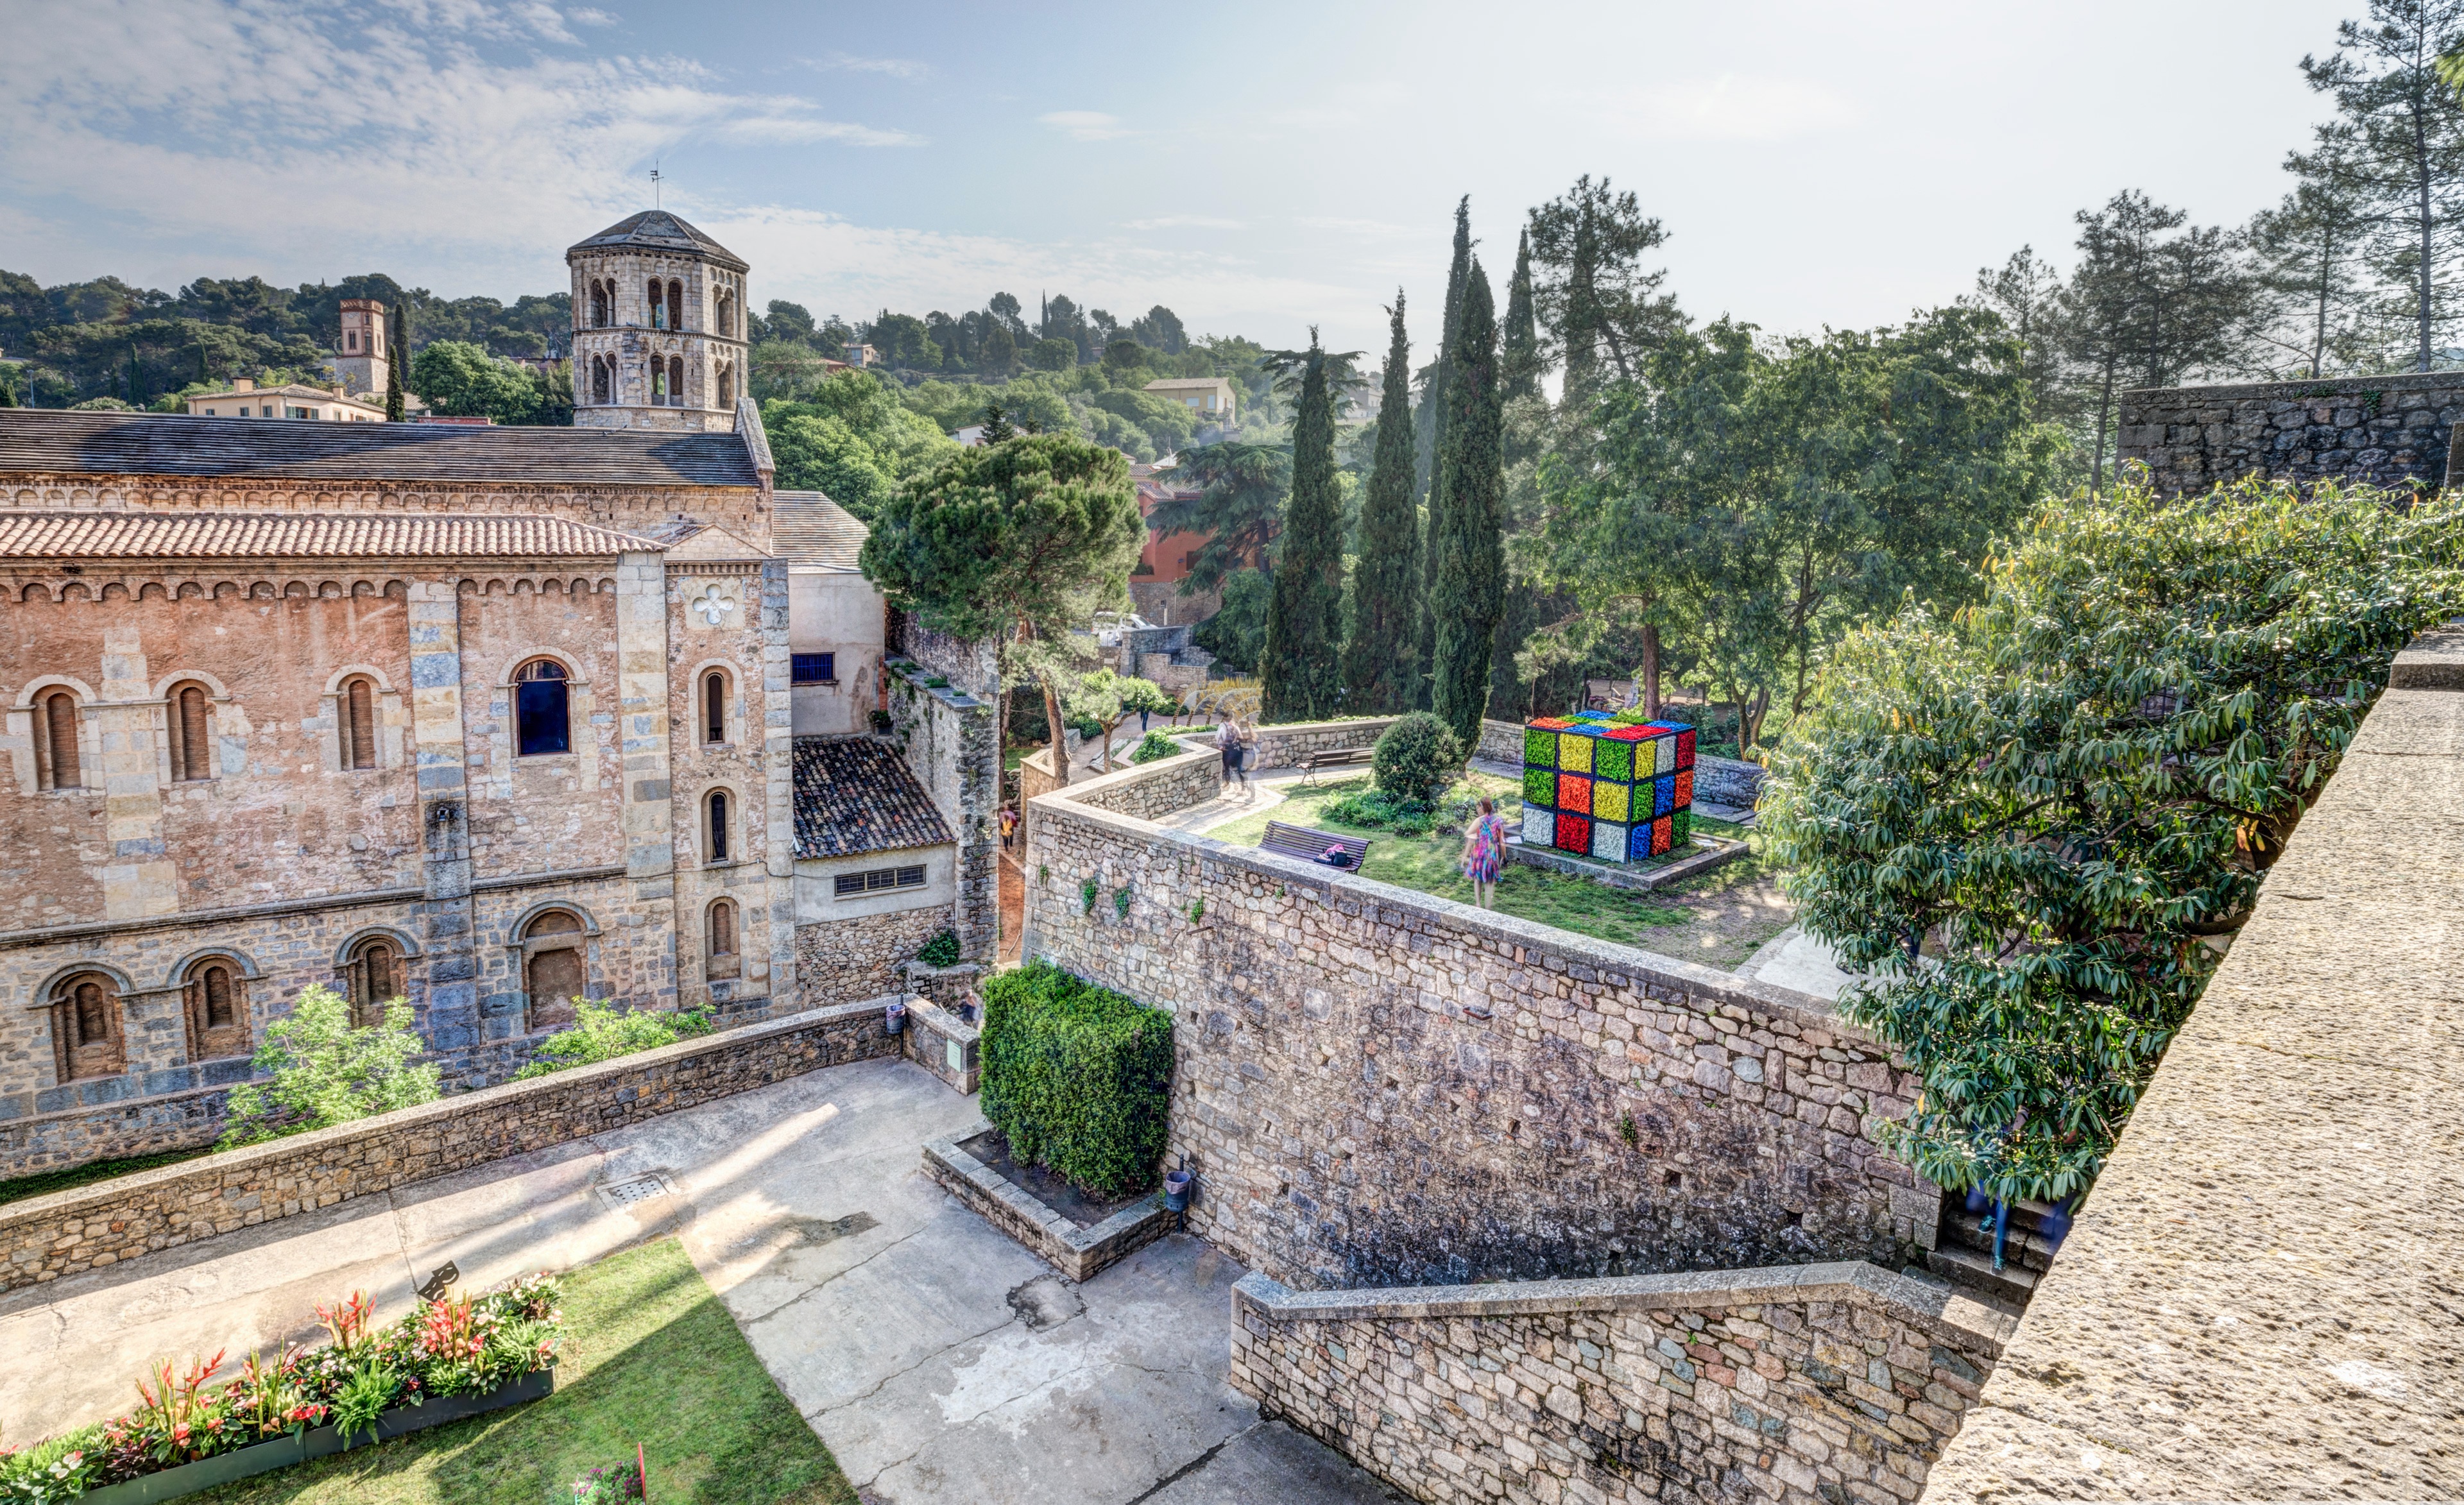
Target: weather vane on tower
[(654, 185)]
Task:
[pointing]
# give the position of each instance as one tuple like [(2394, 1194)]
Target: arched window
[(56, 741), (601, 379), (351, 340), (554, 969), (217, 1000), (717, 808), (86, 1039), (713, 706), (657, 296), (675, 305), (718, 935), (675, 381), (356, 722), (191, 744), (598, 304), (726, 386), (542, 708), (658, 382), (372, 979)]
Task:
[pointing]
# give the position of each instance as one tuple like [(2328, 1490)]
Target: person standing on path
[(1227, 737), (1484, 854)]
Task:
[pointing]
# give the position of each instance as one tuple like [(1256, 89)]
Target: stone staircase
[(1964, 1255)]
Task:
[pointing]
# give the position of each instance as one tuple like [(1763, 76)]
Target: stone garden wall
[(1816, 1384), (1379, 1088), (860, 957), (1282, 745), (2386, 431)]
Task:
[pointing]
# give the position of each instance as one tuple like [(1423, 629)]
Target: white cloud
[(1085, 125), (892, 67), (586, 15), (1185, 222), (1729, 108)]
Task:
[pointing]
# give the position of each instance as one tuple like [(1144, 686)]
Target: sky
[(1258, 167)]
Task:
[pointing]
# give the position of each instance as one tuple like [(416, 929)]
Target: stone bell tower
[(361, 355), (659, 328)]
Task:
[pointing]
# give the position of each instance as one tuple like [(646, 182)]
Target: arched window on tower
[(354, 713), (542, 706), (217, 1004), (86, 1039), (727, 387), (191, 742), (656, 293), (675, 381), (372, 977), (55, 742), (658, 382), (601, 381), (713, 706), (598, 304), (715, 807), (720, 957), (676, 304)]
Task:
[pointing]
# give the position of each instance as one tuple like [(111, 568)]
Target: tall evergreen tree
[(1305, 624), (1378, 657), (1433, 402), (1468, 539), (401, 354), (1519, 349)]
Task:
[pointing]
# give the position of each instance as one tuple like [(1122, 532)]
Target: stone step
[(2011, 1284), (1923, 1276), (2021, 1248)]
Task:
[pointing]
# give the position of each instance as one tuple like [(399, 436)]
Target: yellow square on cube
[(1573, 753), (1611, 801)]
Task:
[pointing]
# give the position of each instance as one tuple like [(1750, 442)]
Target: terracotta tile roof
[(809, 528), (33, 440), (304, 535), (855, 796)]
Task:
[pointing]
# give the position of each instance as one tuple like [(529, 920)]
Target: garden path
[(938, 1359)]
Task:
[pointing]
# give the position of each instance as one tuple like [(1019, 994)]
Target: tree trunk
[(1060, 734), (1651, 670), (2103, 412)]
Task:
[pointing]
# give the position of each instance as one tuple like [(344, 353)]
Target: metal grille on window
[(848, 885), (541, 708), (814, 668)]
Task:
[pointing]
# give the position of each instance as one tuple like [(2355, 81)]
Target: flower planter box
[(264, 1458)]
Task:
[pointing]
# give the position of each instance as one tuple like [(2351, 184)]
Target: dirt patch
[(1013, 909), (1082, 1208), (1730, 912)]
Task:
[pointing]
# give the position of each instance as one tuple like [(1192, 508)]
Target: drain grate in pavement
[(639, 1188)]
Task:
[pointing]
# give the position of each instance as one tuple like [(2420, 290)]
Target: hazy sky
[(1257, 166)]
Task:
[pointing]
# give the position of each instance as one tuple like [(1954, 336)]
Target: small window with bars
[(815, 668), (855, 886)]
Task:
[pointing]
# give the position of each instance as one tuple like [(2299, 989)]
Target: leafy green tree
[(463, 380), (1468, 538), (1378, 655), (1108, 698), (1601, 308), (851, 440), (1236, 633), (603, 1032), (1160, 328), (1434, 412), (1051, 355), (1519, 355), (998, 356), (1022, 542), (2405, 156), (325, 1072), (1301, 669), (2310, 251), (2020, 823), (1239, 506)]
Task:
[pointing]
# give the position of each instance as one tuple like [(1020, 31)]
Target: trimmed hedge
[(1077, 1078), (1417, 757)]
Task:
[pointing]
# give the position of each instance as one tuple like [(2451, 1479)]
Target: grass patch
[(46, 1182), (652, 1358)]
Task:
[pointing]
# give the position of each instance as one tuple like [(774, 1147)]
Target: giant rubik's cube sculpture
[(1614, 793)]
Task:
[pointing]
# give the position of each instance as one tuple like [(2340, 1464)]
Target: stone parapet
[(1284, 746), (943, 1044), (2382, 430), (1811, 1385)]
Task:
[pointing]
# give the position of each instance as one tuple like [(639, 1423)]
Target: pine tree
[(1468, 539), (399, 353), (1433, 399), (1378, 655), (1301, 666), (1519, 350)]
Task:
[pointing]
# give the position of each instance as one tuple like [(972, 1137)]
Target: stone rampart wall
[(1816, 1384), (1378, 1087), (837, 960), (1282, 745), (44, 1238), (1152, 791), (2385, 430)]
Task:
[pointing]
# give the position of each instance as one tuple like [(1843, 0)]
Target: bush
[(1417, 757), (325, 1072), (605, 1033), (1077, 1078), (1155, 747), (942, 951), (1376, 810)]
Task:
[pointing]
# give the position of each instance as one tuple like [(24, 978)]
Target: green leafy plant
[(364, 1397), (881, 721), (609, 1486), (2021, 825), (1155, 747), (1087, 892), (1121, 900), (1076, 1076), (1042, 873), (603, 1032), (936, 681), (1197, 911), (1415, 758), (942, 951), (1377, 810), (326, 1072), (60, 1469), (1626, 1130)]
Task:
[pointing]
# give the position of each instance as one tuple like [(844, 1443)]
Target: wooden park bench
[(1312, 763), (1309, 846)]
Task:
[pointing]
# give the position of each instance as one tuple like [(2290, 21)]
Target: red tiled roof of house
[(305, 536)]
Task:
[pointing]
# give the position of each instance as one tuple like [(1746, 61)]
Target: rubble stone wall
[(2385, 430)]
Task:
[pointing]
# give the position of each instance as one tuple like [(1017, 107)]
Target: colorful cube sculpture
[(1609, 788)]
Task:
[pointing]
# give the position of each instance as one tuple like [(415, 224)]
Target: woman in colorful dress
[(1484, 854)]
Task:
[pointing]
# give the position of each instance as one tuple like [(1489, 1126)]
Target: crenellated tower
[(658, 327)]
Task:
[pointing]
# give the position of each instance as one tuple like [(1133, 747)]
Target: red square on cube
[(1575, 793), (1664, 834), (1573, 834), (1685, 749), (1685, 795), (1630, 733)]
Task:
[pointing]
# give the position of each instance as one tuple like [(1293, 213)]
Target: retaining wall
[(1816, 1384), (1378, 1087), (2385, 430)]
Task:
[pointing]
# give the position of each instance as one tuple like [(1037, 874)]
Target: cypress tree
[(1519, 348), (1434, 398), (1378, 657), (400, 353), (1468, 538), (1300, 665)]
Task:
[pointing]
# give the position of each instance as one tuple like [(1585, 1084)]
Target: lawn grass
[(44, 1183), (653, 1357)]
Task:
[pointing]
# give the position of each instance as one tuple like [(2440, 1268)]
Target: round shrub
[(1417, 757), (1155, 747)]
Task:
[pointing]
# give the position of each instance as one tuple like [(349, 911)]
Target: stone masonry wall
[(1191, 781), (1282, 745), (44, 1238), (950, 739), (1816, 1384), (837, 960), (1377, 1087), (2385, 430)]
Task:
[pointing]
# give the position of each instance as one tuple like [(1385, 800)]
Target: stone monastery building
[(487, 718)]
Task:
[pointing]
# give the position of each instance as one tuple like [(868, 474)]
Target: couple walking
[(1237, 744)]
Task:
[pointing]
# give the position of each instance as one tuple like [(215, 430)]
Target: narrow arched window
[(675, 305), (600, 383), (720, 935), (555, 971), (598, 304), (372, 979), (192, 742), (726, 386), (658, 301), (714, 706), (658, 380), (55, 742), (542, 718), (357, 718), (85, 1028), (676, 380), (718, 806), (217, 1007)]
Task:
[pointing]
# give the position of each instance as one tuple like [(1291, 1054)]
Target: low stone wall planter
[(318, 1442), (1710, 852), (1077, 1252), (943, 1044)]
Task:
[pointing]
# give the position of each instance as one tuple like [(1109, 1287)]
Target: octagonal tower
[(658, 327)]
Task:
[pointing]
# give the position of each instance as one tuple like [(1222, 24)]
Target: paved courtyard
[(938, 1359)]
